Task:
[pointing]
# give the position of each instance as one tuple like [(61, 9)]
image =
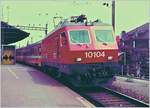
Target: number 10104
[(95, 54)]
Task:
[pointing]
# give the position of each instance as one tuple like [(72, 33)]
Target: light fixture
[(110, 58), (78, 59)]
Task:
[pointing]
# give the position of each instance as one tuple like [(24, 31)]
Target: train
[(84, 52)]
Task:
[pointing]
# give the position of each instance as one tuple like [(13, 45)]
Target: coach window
[(63, 39), (39, 51), (32, 51)]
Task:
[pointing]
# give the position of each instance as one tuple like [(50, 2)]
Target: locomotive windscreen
[(79, 36), (104, 36)]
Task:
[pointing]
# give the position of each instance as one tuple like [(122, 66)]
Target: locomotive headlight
[(78, 59), (110, 58)]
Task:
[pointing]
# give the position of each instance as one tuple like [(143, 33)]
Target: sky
[(129, 13)]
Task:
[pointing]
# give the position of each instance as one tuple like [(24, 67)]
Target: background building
[(135, 45)]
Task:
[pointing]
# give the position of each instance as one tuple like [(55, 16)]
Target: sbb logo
[(94, 54)]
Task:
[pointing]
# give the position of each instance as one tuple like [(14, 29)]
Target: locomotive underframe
[(85, 74)]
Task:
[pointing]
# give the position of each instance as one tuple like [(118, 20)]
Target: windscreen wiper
[(76, 42), (99, 39)]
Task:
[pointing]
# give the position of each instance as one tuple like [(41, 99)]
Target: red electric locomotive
[(86, 52)]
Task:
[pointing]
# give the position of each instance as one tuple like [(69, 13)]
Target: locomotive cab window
[(63, 39), (79, 36), (104, 36)]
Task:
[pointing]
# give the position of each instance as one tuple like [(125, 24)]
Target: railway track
[(104, 97)]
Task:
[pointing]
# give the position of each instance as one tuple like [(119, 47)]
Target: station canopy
[(11, 34)]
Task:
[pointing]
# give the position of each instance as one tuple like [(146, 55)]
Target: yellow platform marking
[(13, 73), (85, 102)]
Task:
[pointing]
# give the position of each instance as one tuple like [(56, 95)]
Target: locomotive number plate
[(94, 54)]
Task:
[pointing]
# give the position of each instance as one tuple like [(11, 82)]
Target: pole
[(54, 22), (113, 14), (125, 63), (46, 27), (19, 44), (2, 14), (124, 58), (31, 40), (8, 14), (122, 69)]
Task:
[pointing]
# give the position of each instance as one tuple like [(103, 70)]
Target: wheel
[(59, 74)]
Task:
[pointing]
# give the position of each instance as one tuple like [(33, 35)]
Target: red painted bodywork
[(54, 52)]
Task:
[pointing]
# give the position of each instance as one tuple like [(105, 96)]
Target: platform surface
[(136, 88), (23, 86), (140, 86)]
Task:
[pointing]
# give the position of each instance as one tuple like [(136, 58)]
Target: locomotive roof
[(66, 23)]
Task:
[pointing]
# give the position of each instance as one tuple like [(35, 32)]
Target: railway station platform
[(136, 88), (24, 86)]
